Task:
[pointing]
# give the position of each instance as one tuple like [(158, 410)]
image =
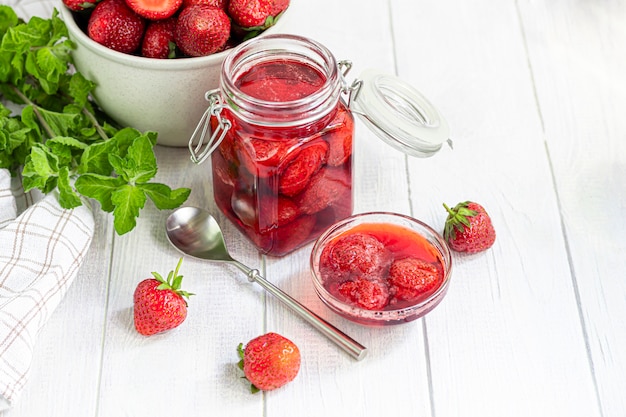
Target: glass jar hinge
[(199, 153)]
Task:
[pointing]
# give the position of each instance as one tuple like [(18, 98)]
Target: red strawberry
[(365, 293), (410, 278), (159, 304), (284, 239), (276, 212), (295, 176), (79, 5), (249, 13), (269, 361), (220, 4), (260, 156), (293, 235), (114, 25), (340, 139), (468, 228), (158, 41), (155, 9), (278, 6), (355, 254), (202, 30), (326, 188)]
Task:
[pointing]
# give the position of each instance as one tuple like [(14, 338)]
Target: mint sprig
[(61, 140)]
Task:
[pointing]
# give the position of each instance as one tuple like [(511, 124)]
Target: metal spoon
[(194, 232)]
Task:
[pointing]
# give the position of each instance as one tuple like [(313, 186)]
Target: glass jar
[(281, 132)]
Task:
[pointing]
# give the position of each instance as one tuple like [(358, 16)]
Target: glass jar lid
[(398, 113)]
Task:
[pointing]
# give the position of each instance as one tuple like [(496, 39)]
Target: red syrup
[(283, 184), (394, 284)]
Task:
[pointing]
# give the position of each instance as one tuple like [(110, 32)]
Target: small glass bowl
[(389, 315)]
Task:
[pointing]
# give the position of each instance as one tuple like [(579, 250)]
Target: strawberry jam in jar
[(280, 131), (281, 142)]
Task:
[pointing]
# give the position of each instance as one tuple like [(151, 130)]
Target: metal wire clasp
[(352, 90), (216, 104)]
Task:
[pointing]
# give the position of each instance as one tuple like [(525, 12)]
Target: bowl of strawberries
[(381, 268), (153, 60)]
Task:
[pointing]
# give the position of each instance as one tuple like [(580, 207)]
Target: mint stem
[(93, 119), (42, 121)]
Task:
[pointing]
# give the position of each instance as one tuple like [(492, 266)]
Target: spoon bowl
[(194, 232)]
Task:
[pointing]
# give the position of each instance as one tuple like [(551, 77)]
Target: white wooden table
[(535, 94)]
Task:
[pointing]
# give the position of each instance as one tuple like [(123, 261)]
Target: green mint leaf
[(8, 18), (128, 201), (142, 159), (80, 88), (67, 196), (66, 149), (139, 163), (41, 170), (163, 197), (16, 140), (124, 138), (95, 158), (99, 187), (60, 123), (119, 166)]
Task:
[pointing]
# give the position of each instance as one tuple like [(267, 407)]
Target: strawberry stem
[(173, 281)]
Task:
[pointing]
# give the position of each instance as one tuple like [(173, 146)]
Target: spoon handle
[(349, 345)]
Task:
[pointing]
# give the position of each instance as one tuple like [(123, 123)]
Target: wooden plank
[(507, 340), (576, 53), (192, 368)]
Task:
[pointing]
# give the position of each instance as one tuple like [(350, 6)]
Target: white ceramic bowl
[(161, 95)]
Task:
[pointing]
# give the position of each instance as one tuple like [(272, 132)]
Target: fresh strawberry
[(468, 228), (365, 293), (278, 6), (155, 9), (410, 278), (220, 4), (159, 304), (249, 13), (269, 361), (114, 25), (158, 41), (79, 5), (326, 188), (295, 176), (202, 30), (355, 254)]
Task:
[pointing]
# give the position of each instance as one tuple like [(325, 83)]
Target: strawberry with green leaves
[(468, 228), (269, 361), (159, 303), (251, 17)]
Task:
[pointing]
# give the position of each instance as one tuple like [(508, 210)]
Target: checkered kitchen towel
[(41, 251)]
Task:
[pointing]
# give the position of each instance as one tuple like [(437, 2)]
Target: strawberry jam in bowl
[(281, 142), (381, 268)]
